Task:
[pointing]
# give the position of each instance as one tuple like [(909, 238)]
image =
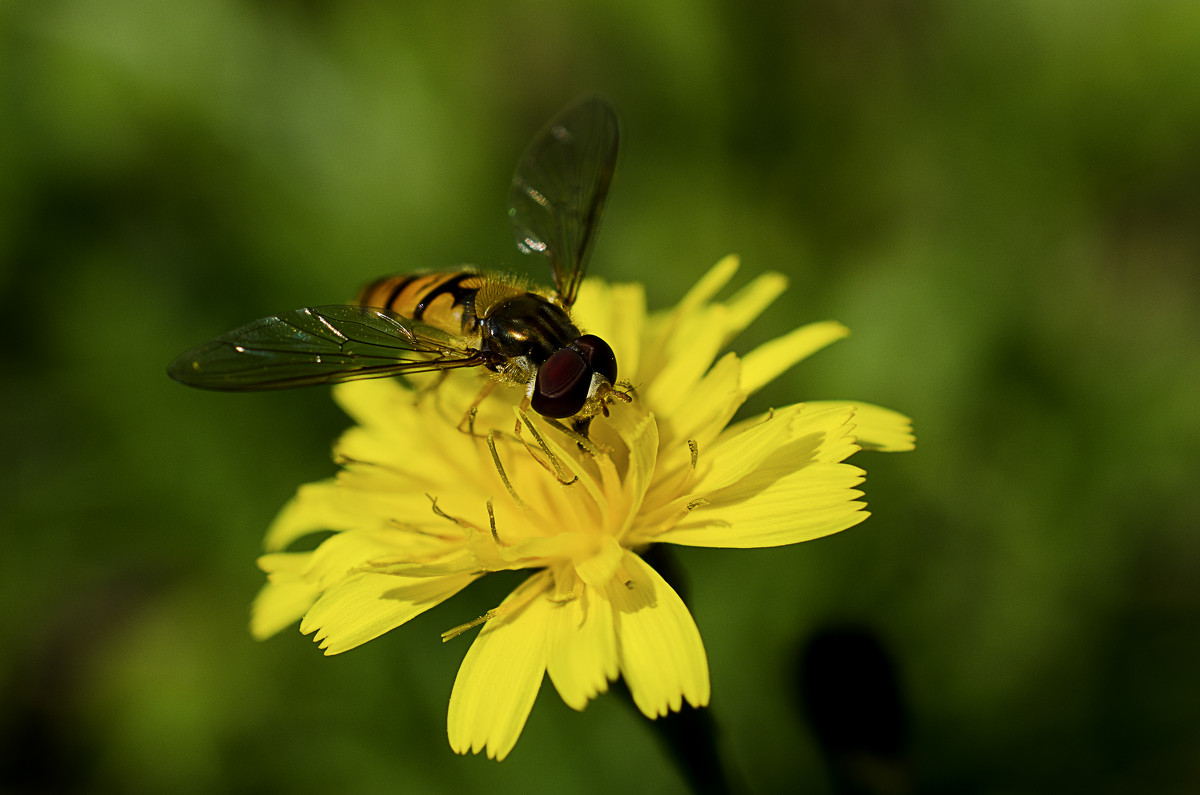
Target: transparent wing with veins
[(559, 189), (320, 345)]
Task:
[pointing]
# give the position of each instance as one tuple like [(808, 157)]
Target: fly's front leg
[(467, 424), (524, 407)]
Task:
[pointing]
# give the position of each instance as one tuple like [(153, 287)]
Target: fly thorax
[(529, 326)]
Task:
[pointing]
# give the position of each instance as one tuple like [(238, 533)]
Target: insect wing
[(559, 189), (320, 345)]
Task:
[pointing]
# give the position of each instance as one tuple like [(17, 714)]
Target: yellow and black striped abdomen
[(444, 299)]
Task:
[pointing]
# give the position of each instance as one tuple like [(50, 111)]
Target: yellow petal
[(284, 563), (677, 364), (498, 680), (393, 422), (458, 560), (391, 456), (617, 314), (315, 507), (695, 427), (688, 344), (598, 568), (709, 405), (628, 307), (734, 456), (815, 501), (590, 311), (877, 428), (582, 653), (642, 440), (766, 362), (285, 597), (365, 605), (372, 402), (709, 285), (662, 657), (343, 553), (830, 426), (681, 344), (354, 501), (750, 301), (755, 453)]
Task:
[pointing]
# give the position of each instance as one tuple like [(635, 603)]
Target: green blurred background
[(1002, 200)]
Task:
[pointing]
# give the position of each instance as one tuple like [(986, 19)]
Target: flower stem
[(690, 735)]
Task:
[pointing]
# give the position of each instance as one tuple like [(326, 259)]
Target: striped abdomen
[(445, 300)]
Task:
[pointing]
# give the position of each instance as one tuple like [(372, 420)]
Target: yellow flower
[(421, 509)]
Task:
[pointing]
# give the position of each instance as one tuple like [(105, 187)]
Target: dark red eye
[(562, 384), (598, 355)]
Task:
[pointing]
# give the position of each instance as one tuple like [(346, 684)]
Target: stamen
[(443, 514), (694, 448), (409, 527), (492, 520), (526, 592), (576, 592), (343, 460), (697, 503), (491, 443), (451, 634)]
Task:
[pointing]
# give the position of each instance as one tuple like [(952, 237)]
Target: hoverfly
[(463, 318)]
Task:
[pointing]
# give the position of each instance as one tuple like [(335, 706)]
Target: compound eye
[(562, 384), (599, 356)]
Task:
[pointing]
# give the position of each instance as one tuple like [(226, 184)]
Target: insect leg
[(467, 424), (524, 407), (554, 466)]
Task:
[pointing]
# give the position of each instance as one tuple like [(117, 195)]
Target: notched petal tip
[(581, 646), (366, 605), (876, 428), (498, 680), (815, 501), (662, 657)]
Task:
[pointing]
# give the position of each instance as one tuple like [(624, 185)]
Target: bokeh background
[(1002, 200)]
